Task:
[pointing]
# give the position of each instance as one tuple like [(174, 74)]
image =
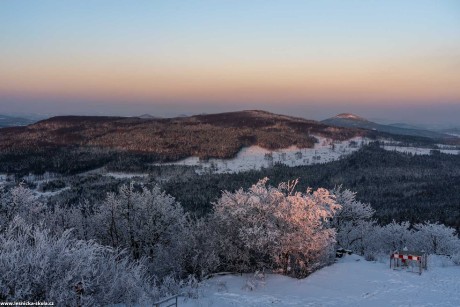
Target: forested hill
[(217, 135), (74, 144)]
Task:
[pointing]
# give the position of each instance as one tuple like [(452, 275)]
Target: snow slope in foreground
[(350, 282)]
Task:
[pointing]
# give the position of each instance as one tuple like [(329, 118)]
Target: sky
[(393, 60)]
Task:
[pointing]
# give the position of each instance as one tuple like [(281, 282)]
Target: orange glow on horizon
[(357, 80)]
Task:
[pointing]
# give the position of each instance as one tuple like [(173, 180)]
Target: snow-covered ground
[(3, 178), (47, 176), (120, 175), (48, 194), (350, 282), (255, 157)]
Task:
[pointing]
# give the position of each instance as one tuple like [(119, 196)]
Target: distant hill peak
[(350, 116), (147, 116)]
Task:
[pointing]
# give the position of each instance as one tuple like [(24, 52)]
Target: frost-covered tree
[(276, 227), (80, 217), (436, 238), (38, 266), (201, 252), (19, 201), (395, 237), (353, 221), (357, 231), (148, 223)]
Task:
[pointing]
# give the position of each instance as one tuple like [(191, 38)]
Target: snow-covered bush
[(19, 201), (456, 258), (37, 266), (255, 281), (276, 228), (190, 287)]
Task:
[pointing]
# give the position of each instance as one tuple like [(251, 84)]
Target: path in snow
[(350, 282)]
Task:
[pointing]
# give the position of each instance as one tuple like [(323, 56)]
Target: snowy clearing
[(256, 157), (351, 281)]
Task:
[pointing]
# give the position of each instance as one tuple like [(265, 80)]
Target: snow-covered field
[(255, 157), (351, 281)]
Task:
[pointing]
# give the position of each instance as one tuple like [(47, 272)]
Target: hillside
[(217, 135)]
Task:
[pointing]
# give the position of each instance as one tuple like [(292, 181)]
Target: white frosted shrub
[(276, 227), (37, 266)]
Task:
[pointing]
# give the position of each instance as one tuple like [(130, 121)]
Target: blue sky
[(121, 57)]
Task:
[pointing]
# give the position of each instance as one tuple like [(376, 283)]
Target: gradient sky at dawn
[(391, 59)]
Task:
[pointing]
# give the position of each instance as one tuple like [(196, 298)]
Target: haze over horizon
[(393, 60)]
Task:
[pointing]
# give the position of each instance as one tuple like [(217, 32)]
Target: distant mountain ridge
[(206, 136), (13, 121), (74, 144), (348, 120), (147, 116), (350, 116)]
